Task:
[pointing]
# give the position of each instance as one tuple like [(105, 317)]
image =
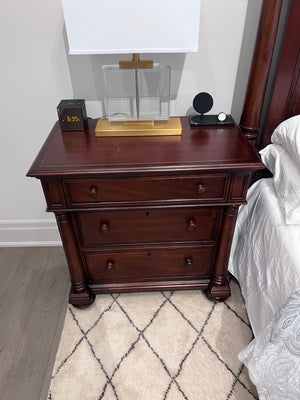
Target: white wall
[(36, 73), (34, 77)]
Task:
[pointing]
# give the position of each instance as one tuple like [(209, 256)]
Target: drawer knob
[(188, 263), (110, 267), (93, 192), (200, 189), (191, 225), (104, 228)]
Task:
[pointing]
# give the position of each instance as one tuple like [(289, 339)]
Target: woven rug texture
[(154, 346)]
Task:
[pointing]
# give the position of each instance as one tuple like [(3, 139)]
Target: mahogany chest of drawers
[(146, 213)]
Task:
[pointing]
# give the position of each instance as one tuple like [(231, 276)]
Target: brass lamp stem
[(137, 93), (135, 63)]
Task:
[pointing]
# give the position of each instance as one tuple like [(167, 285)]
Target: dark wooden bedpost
[(260, 69), (285, 100)]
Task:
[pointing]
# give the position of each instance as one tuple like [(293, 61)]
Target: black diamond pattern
[(172, 380)]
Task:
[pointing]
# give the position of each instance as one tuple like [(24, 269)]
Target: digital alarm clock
[(72, 115)]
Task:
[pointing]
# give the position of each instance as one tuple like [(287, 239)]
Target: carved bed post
[(260, 69)]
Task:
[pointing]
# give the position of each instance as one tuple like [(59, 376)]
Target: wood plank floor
[(34, 289)]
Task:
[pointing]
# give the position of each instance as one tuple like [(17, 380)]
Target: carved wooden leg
[(80, 295), (218, 289)]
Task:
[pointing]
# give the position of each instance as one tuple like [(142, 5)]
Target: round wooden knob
[(110, 267), (188, 263), (191, 225), (104, 228), (93, 192), (200, 189)]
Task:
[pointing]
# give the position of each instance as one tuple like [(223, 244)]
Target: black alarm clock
[(72, 115)]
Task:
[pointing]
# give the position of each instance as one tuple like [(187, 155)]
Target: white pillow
[(273, 357), (286, 181), (288, 135)]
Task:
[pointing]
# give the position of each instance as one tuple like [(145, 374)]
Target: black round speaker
[(203, 102)]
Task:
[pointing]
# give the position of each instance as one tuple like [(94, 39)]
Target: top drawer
[(118, 191)]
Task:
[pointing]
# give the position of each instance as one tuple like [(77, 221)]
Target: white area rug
[(154, 346)]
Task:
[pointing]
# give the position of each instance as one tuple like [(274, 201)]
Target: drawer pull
[(200, 189), (188, 263), (93, 192), (110, 267), (104, 228), (191, 225)]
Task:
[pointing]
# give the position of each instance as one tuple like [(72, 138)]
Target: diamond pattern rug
[(154, 346)]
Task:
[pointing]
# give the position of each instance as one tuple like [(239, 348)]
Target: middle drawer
[(148, 225)]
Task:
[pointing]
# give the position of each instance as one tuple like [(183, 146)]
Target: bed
[(265, 254)]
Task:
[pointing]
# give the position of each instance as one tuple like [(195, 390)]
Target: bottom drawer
[(148, 264)]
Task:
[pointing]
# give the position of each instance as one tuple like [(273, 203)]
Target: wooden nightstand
[(146, 213)]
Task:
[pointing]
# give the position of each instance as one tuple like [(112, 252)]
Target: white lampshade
[(132, 26)]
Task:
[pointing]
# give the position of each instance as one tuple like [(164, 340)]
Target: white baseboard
[(28, 233)]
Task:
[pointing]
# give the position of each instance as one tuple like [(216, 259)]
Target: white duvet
[(265, 258), (265, 255)]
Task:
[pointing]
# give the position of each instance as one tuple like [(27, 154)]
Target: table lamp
[(137, 91)]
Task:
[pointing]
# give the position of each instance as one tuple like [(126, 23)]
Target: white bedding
[(265, 255), (265, 258)]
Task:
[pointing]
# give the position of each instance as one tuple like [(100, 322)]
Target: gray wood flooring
[(34, 289)]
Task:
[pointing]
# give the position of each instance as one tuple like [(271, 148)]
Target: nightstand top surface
[(197, 149)]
